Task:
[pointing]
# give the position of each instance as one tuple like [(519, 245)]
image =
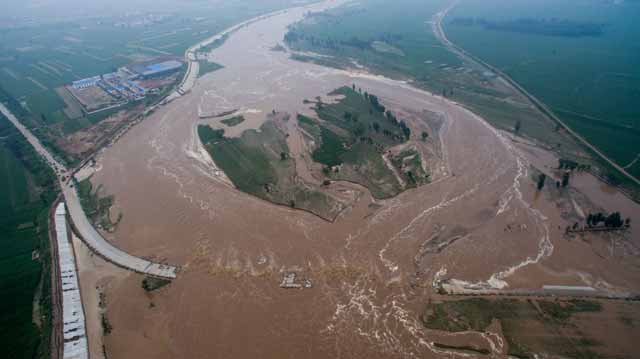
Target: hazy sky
[(63, 8)]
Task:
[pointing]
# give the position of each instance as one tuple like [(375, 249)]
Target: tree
[(541, 180), (424, 135), (283, 156), (517, 127), (406, 130), (596, 218), (614, 220), (590, 220), (391, 117), (376, 104), (376, 127), (557, 184), (411, 178), (565, 179)]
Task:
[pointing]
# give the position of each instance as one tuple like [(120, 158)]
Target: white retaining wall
[(73, 327)]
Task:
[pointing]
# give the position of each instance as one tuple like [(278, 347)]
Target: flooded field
[(370, 272)]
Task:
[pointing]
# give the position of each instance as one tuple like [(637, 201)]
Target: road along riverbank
[(86, 230)]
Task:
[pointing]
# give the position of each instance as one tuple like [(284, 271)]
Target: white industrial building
[(84, 83)]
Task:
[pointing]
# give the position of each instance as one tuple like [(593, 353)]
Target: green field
[(343, 33), (206, 67), (591, 82), (387, 39), (566, 328), (258, 163), (36, 57), (26, 192), (353, 134)]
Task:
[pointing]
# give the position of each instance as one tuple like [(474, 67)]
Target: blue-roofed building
[(157, 69)]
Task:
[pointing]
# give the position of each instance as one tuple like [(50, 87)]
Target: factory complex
[(128, 83)]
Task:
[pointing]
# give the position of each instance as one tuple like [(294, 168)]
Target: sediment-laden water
[(370, 270)]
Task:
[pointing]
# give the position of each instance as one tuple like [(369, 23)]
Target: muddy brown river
[(371, 275)]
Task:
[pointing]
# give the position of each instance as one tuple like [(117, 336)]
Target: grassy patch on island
[(206, 67), (409, 164), (233, 121), (351, 137), (258, 163)]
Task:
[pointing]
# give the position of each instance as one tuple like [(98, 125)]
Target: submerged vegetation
[(529, 326), (233, 121), (150, 284), (97, 206), (206, 67)]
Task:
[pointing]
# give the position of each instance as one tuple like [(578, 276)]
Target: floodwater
[(371, 270)]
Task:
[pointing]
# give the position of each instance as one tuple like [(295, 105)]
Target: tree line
[(613, 220)]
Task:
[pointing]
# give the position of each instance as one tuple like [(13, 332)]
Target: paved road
[(440, 34), (87, 232), (98, 244), (57, 166)]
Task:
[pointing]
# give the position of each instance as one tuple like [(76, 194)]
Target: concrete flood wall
[(73, 326)]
